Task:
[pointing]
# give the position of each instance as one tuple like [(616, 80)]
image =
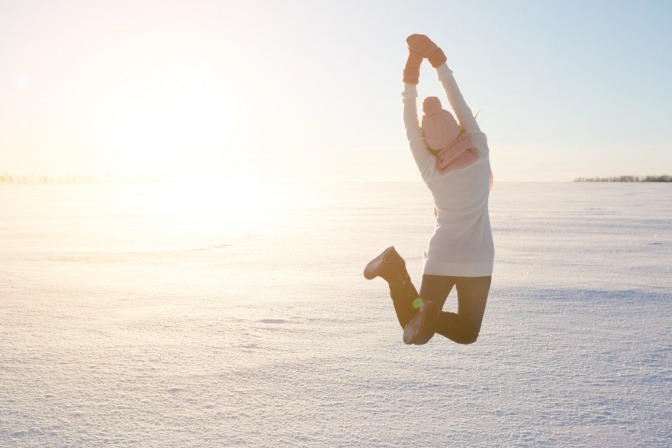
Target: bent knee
[(470, 339)]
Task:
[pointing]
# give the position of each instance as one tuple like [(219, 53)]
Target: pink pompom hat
[(444, 138)]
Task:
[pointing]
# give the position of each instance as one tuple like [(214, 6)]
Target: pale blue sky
[(312, 89)]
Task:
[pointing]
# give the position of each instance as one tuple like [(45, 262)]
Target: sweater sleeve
[(462, 111), (423, 158)]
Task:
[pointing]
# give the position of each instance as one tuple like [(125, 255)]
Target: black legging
[(472, 294)]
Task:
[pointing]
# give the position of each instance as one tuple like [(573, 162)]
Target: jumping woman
[(454, 163)]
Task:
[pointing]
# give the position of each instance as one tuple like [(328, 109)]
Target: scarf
[(459, 154)]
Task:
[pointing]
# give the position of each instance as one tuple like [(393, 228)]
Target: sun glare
[(21, 81), (167, 135)]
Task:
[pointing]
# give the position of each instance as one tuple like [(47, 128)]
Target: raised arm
[(410, 96), (427, 48), (423, 158), (459, 106)]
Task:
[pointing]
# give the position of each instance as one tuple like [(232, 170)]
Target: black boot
[(388, 265), (423, 326), (392, 268)]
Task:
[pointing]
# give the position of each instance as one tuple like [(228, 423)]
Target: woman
[(454, 163)]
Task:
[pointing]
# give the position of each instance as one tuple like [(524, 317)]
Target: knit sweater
[(462, 243)]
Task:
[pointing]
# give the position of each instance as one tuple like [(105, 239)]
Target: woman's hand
[(423, 45)]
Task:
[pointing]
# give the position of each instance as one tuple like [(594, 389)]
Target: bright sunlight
[(170, 134)]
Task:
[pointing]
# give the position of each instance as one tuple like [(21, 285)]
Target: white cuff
[(443, 70), (410, 91)]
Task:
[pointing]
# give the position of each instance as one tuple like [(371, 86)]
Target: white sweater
[(462, 243)]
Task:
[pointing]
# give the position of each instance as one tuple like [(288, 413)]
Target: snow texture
[(165, 315)]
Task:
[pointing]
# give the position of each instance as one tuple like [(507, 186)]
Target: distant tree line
[(663, 178)]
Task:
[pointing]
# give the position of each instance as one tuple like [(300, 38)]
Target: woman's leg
[(472, 296), (391, 267), (422, 327), (403, 293), (436, 288)]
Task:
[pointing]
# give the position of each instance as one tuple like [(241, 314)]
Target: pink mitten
[(423, 45), (412, 68)]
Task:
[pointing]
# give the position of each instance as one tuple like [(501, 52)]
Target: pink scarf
[(459, 154)]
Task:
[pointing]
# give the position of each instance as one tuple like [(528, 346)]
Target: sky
[(311, 89)]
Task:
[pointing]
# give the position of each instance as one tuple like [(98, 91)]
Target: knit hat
[(438, 125), (452, 148)]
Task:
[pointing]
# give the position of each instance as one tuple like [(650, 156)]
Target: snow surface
[(167, 315)]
